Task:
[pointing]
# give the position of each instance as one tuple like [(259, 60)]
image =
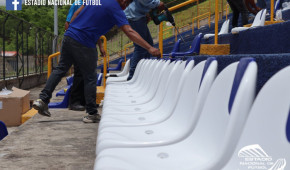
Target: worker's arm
[(66, 25), (136, 38), (76, 13)]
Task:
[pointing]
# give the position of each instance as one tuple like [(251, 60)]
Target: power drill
[(165, 15), (162, 16)]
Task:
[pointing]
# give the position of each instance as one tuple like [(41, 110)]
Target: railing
[(105, 59), (49, 65), (25, 47), (198, 18)]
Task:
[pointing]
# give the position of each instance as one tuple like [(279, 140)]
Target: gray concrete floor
[(61, 141)]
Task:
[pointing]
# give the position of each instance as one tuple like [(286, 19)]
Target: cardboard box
[(12, 106)]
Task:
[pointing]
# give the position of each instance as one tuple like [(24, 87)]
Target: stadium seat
[(194, 49), (188, 103), (219, 126), (267, 130), (64, 102), (69, 80), (125, 71), (145, 104), (3, 130), (176, 48), (224, 30), (117, 68), (126, 84), (143, 91), (99, 79), (258, 21), (144, 80)]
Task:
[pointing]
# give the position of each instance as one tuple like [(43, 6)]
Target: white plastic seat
[(267, 128), (141, 65), (156, 116), (168, 83), (124, 71), (138, 72), (258, 21), (221, 121), (224, 30), (141, 86), (122, 76), (140, 95), (178, 124)]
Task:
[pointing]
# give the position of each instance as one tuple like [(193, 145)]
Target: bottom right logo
[(254, 157)]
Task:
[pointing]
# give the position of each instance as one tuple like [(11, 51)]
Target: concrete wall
[(26, 83)]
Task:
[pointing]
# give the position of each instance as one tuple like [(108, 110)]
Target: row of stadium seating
[(201, 113)]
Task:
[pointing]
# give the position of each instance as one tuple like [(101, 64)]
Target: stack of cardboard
[(13, 105)]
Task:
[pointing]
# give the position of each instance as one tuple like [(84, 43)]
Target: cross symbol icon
[(15, 3)]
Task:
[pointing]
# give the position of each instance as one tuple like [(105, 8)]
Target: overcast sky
[(2, 2)]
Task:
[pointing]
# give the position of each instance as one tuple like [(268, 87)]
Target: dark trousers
[(83, 57), (139, 26), (77, 94), (238, 7)]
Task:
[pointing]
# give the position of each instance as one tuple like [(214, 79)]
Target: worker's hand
[(155, 52), (103, 52), (161, 6)]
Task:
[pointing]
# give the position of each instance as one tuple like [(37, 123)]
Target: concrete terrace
[(62, 141)]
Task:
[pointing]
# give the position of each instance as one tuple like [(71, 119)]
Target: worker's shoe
[(41, 107), (76, 107), (95, 118)]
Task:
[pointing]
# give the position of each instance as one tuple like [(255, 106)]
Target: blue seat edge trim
[(242, 66), (206, 66)]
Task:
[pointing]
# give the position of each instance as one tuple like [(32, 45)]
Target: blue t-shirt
[(95, 21), (74, 7)]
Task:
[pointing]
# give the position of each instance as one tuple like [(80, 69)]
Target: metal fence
[(24, 48)]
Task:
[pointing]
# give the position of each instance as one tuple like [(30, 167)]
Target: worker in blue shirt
[(136, 15), (74, 7), (77, 97), (79, 48)]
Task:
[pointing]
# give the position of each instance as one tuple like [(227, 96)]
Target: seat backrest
[(193, 94), (99, 79), (221, 122), (173, 69), (175, 82), (225, 27), (126, 69), (176, 46), (138, 70), (267, 131), (260, 18), (195, 45), (69, 80), (277, 5), (3, 130)]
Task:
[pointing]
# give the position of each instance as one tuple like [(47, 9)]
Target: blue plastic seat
[(176, 48), (64, 103), (117, 68), (69, 80), (3, 130), (194, 49), (99, 79)]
